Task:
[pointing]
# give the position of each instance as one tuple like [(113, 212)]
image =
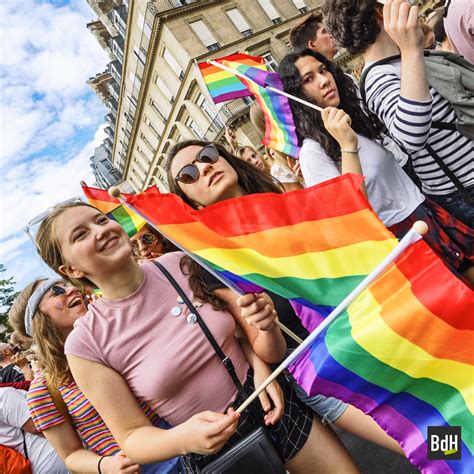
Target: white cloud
[(51, 54)]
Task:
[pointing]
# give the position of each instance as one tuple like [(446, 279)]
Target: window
[(203, 33), (270, 62), (140, 54), (270, 11), (164, 89), (147, 142), (143, 26), (239, 22), (154, 106), (300, 5), (143, 154), (203, 104), (173, 64), (132, 76), (192, 126), (152, 128)]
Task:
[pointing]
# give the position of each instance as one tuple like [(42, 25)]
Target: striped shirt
[(409, 124), (89, 425)]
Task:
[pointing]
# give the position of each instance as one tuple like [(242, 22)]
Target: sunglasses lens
[(58, 290), (189, 174), (208, 154), (147, 239)]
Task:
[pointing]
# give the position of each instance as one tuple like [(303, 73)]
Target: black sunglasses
[(147, 238), (58, 290), (190, 173)]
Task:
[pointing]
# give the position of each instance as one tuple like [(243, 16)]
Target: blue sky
[(50, 119)]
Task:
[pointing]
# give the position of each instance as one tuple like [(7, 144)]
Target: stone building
[(153, 87)]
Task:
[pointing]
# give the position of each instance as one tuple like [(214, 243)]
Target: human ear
[(71, 272)]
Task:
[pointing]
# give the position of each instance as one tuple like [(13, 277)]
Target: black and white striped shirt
[(409, 124)]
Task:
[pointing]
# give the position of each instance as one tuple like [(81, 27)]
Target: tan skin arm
[(30, 427), (255, 316), (204, 433), (67, 444)]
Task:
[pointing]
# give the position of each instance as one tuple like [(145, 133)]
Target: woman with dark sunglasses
[(44, 313), (148, 244), (194, 179)]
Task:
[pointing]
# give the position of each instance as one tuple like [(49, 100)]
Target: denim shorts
[(328, 408)]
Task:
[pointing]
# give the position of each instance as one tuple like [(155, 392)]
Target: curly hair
[(250, 179), (352, 23), (309, 123)]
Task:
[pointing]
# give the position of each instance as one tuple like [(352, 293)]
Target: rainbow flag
[(402, 352), (223, 85), (280, 130), (103, 201)]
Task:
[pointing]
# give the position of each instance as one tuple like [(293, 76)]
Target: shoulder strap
[(387, 60), (462, 190), (226, 361), (24, 444), (57, 399)]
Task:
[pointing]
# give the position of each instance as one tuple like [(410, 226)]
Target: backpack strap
[(462, 190), (57, 399)]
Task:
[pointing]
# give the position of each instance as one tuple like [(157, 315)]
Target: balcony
[(115, 69), (227, 114), (109, 131)]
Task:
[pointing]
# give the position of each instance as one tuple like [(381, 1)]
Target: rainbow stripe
[(280, 130), (102, 200), (223, 85), (402, 352)]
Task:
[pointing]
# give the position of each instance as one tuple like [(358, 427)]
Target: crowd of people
[(128, 382)]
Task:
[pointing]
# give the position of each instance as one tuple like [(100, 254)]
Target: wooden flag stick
[(278, 91), (115, 192), (414, 234)]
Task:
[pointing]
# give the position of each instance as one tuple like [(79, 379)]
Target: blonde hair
[(46, 336), (48, 245)]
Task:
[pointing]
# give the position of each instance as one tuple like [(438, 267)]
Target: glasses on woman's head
[(41, 217), (190, 173)]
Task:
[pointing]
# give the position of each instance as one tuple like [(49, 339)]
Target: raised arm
[(204, 433)]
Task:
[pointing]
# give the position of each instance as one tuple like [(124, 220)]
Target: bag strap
[(462, 190), (226, 361), (24, 445), (57, 399)]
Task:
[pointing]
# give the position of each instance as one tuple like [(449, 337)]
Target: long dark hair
[(251, 180), (308, 121)]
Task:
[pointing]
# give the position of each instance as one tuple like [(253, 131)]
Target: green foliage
[(7, 297)]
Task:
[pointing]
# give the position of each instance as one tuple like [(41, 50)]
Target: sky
[(51, 121)]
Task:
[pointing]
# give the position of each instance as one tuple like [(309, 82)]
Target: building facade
[(153, 88)]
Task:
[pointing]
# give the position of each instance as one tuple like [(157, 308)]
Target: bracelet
[(98, 464), (351, 151)]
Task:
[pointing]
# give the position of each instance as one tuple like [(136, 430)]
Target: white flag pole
[(413, 235), (115, 192), (278, 91)]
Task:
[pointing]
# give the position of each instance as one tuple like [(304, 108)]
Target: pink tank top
[(166, 361)]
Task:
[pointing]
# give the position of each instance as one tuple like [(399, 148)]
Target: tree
[(7, 297)]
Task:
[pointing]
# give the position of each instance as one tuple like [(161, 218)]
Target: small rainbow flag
[(223, 85), (402, 352), (103, 201), (280, 130)]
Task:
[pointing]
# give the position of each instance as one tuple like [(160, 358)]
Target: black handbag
[(253, 454)]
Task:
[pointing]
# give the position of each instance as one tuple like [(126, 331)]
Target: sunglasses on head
[(190, 173)]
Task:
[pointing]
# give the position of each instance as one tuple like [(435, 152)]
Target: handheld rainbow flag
[(280, 130), (101, 199), (224, 85), (401, 352)]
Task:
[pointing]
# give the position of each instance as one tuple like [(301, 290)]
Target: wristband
[(351, 151), (98, 464)]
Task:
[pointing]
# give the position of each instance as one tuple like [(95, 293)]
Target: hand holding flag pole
[(277, 91), (115, 192), (414, 234)]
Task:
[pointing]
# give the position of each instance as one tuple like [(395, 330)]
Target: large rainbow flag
[(280, 130), (224, 85), (402, 352), (103, 201)]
